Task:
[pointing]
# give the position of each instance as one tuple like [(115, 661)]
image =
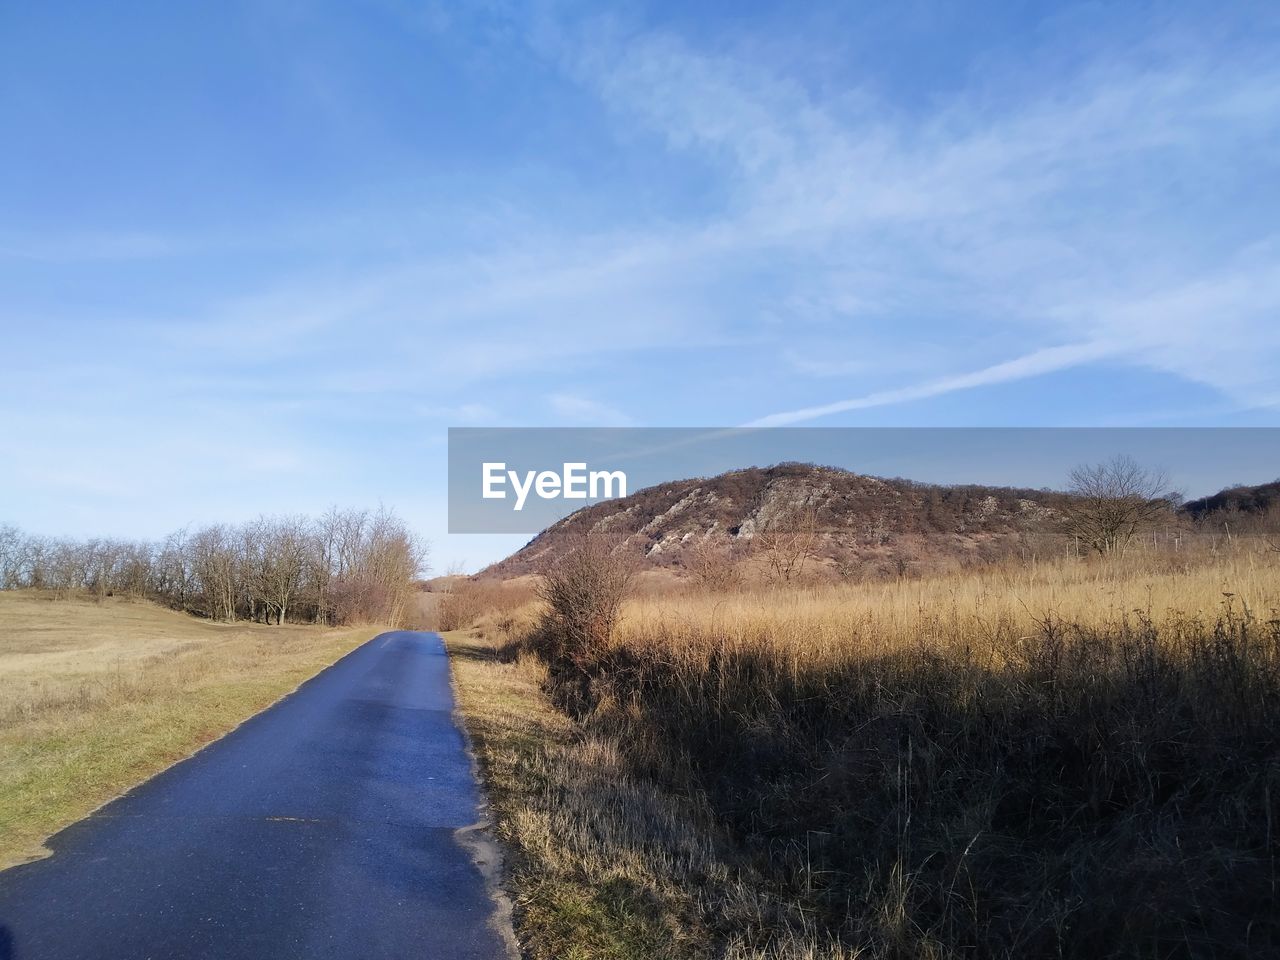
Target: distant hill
[(856, 522), (1259, 499)]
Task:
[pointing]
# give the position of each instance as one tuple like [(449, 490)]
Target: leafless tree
[(67, 567), (36, 559), (277, 563), (1112, 501), (394, 560), (377, 559), (103, 563), (215, 566), (348, 566), (788, 543), (171, 577), (12, 544), (133, 572), (713, 566), (325, 562)]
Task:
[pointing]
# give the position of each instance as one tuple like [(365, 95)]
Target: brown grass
[(1070, 759), (604, 863), (97, 696)]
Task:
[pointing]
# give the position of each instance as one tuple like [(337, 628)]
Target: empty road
[(330, 825)]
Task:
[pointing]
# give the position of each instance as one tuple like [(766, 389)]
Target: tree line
[(346, 566)]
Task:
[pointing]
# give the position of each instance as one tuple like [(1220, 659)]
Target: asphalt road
[(330, 825)]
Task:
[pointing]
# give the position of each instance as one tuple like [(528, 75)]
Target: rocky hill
[(849, 524)]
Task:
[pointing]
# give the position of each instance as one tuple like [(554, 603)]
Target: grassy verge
[(604, 862), (97, 697), (600, 862)]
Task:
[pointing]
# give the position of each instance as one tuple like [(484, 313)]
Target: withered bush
[(714, 568), (583, 593), (473, 602)]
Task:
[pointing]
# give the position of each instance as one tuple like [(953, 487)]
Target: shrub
[(583, 591)]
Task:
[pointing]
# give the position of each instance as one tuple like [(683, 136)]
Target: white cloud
[(1051, 218), (1032, 365), (1111, 210)]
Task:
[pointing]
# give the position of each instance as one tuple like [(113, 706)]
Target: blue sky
[(259, 260)]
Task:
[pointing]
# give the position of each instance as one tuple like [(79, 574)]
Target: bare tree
[(1112, 501), (132, 572), (788, 543), (349, 566), (171, 578), (67, 567), (36, 560), (215, 564), (376, 561), (277, 565), (394, 558), (12, 545), (103, 562), (325, 563), (713, 566)]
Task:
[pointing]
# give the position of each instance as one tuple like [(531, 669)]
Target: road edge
[(485, 849)]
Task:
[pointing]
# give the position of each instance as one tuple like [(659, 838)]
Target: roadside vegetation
[(1071, 758), (347, 566), (98, 695)]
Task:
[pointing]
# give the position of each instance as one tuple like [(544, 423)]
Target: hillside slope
[(855, 522), (1259, 499)]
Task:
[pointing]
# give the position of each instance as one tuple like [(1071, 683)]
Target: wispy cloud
[(868, 243), (1054, 217), (1033, 364)]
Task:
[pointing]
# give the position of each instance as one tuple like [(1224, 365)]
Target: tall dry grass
[(1067, 759), (979, 609)]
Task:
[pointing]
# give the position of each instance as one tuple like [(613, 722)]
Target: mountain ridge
[(856, 520), (860, 525)]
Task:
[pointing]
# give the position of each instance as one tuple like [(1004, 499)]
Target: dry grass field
[(979, 611), (599, 858), (1061, 760), (97, 696)]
